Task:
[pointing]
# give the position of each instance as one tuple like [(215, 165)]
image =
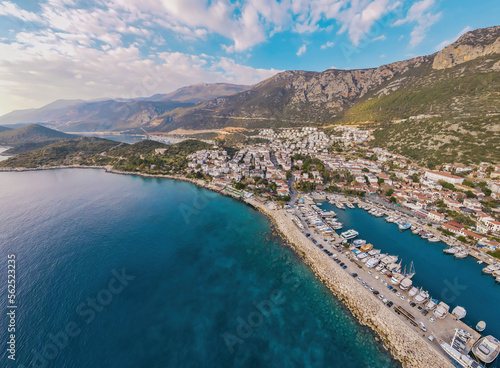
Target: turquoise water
[(205, 283), (454, 281)]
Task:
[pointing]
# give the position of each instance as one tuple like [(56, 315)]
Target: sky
[(72, 49)]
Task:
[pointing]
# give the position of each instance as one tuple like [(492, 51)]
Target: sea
[(123, 271), (453, 281), (3, 157)]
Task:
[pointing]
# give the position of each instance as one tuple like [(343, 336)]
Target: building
[(442, 176)]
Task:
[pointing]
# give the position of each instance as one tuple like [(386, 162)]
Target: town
[(459, 201)]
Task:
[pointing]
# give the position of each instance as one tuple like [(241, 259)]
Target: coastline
[(404, 344)]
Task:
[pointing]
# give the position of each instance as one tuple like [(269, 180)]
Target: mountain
[(462, 78), (3, 129), (200, 92), (31, 134), (116, 114)]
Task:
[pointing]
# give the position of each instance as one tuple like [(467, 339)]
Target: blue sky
[(55, 49)]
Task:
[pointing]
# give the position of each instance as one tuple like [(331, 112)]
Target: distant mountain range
[(117, 114)]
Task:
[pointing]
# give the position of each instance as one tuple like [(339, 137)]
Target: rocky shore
[(405, 345)]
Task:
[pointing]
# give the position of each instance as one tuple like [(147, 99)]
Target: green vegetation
[(79, 151), (495, 254), (32, 134)]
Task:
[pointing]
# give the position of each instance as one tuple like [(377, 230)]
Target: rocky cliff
[(472, 45)]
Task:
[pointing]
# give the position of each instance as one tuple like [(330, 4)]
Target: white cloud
[(301, 50), (10, 9), (327, 45), (445, 43), (420, 13), (379, 38)]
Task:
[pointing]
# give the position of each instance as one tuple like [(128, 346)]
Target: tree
[(380, 181), (469, 194), (462, 239), (288, 175)]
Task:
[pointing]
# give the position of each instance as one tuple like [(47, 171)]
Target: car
[(389, 287), (381, 281), (432, 319), (394, 291), (342, 264), (377, 277), (390, 304), (308, 235), (370, 272), (403, 297), (384, 300), (425, 312), (344, 267), (398, 293), (360, 278), (422, 326), (420, 308), (381, 296), (385, 283), (354, 274), (367, 286), (375, 292), (413, 303), (364, 282), (372, 288)]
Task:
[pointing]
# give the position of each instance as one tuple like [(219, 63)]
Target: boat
[(413, 291), (416, 231), (497, 279), (372, 262), (461, 254), (389, 219), (481, 325), (486, 349), (421, 297), (397, 278), (403, 225), (457, 350), (459, 312), (362, 256), (359, 242), (379, 267), (479, 262), (350, 205), (406, 283), (424, 235), (491, 268), (431, 304), (451, 250), (442, 310), (433, 239), (340, 206), (387, 260), (366, 247), (349, 234)]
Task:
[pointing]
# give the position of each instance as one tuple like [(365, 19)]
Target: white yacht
[(372, 262), (486, 349), (451, 250), (413, 291), (340, 206), (491, 268), (461, 254), (350, 205), (359, 242), (362, 256), (349, 234), (456, 352), (433, 239), (459, 312), (405, 284), (442, 310), (431, 304), (421, 297)]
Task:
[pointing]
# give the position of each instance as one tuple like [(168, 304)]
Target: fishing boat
[(366, 247), (486, 349), (406, 283), (397, 278), (421, 297), (442, 310), (459, 312), (349, 234), (413, 291), (451, 250)]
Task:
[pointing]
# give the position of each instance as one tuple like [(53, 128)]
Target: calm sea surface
[(122, 271), (454, 281)]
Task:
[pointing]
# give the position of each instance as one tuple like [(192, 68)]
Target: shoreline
[(403, 343)]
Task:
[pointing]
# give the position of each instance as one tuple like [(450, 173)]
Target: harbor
[(447, 281)]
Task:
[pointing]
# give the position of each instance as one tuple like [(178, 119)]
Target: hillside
[(83, 150), (117, 114), (3, 129), (31, 134)]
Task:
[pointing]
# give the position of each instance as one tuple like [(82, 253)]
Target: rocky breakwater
[(405, 345)]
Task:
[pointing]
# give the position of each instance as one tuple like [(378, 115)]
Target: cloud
[(420, 13), (301, 50), (327, 45), (445, 43), (379, 38), (9, 9)]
